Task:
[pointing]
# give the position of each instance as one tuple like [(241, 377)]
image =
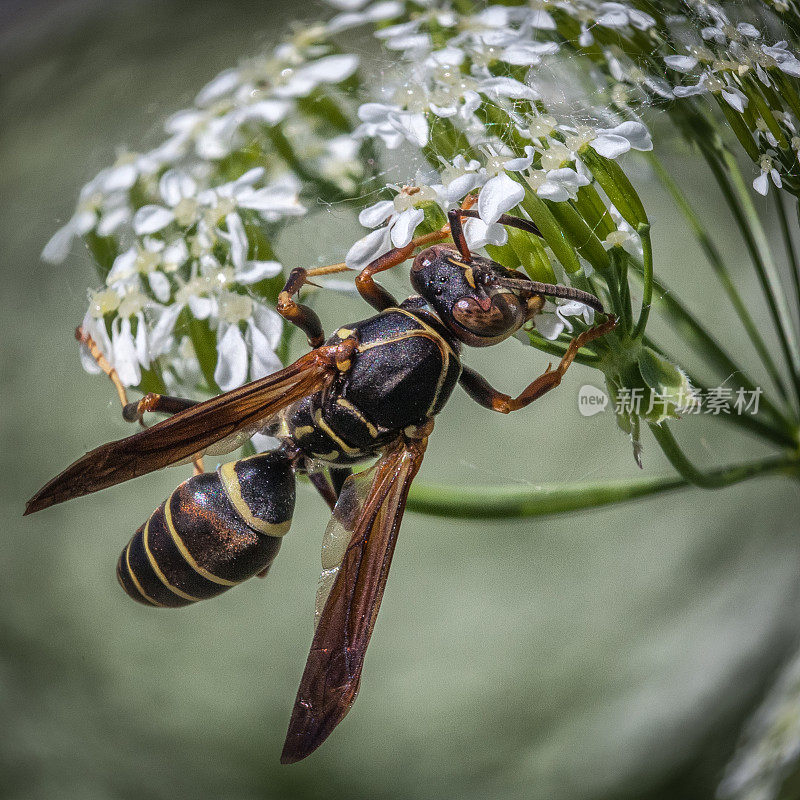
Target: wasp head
[(480, 301)]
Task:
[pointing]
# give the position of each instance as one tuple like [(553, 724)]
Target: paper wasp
[(370, 390)]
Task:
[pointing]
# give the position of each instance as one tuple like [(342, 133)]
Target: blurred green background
[(610, 654)]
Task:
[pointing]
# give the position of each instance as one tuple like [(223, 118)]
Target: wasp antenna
[(567, 293)]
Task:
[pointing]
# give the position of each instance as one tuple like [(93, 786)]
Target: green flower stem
[(625, 289), (579, 234), (739, 128), (647, 279), (592, 208), (737, 195), (753, 93), (768, 430), (204, 341), (544, 220), (791, 252), (718, 265), (616, 185), (787, 90), (721, 477), (558, 348), (506, 502), (694, 334), (613, 280)]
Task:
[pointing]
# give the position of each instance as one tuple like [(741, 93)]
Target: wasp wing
[(357, 553), (190, 432)]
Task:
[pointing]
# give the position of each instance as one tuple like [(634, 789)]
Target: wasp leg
[(373, 292), (338, 476), (321, 483), (479, 389), (455, 216), (150, 402), (134, 412), (298, 314)]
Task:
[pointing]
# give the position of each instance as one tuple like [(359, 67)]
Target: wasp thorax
[(468, 295)]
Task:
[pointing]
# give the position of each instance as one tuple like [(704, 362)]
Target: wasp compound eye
[(489, 318)]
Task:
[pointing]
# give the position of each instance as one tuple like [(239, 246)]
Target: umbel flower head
[(532, 110)]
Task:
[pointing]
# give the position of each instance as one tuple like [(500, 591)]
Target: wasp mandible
[(370, 390)]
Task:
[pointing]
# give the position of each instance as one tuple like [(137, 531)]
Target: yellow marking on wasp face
[(373, 431), (233, 489), (161, 576), (343, 366), (343, 333), (135, 580), (327, 429), (470, 276), (303, 430), (187, 556)]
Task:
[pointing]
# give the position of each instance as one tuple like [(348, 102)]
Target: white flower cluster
[(477, 74), (473, 94), (737, 63), (185, 221)]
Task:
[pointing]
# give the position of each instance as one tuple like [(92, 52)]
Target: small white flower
[(681, 63), (377, 12), (508, 88), (401, 218), (255, 347), (613, 142), (761, 183), (558, 185), (246, 271), (735, 98), (95, 327), (330, 69), (553, 319), (392, 124), (787, 62)]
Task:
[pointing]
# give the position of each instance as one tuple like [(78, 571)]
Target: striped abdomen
[(215, 530)]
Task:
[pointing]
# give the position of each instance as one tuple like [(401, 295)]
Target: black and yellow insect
[(371, 390)]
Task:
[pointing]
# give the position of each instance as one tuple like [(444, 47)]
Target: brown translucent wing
[(369, 509), (189, 432)]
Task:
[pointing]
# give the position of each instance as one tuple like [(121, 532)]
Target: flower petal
[(123, 346), (500, 194), (376, 214), (159, 283), (368, 248), (151, 219), (231, 369), (405, 225)]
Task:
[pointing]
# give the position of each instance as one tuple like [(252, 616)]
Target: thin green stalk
[(757, 244), (557, 348), (643, 230), (721, 477), (717, 264), (791, 253), (505, 502), (685, 324), (749, 422)]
